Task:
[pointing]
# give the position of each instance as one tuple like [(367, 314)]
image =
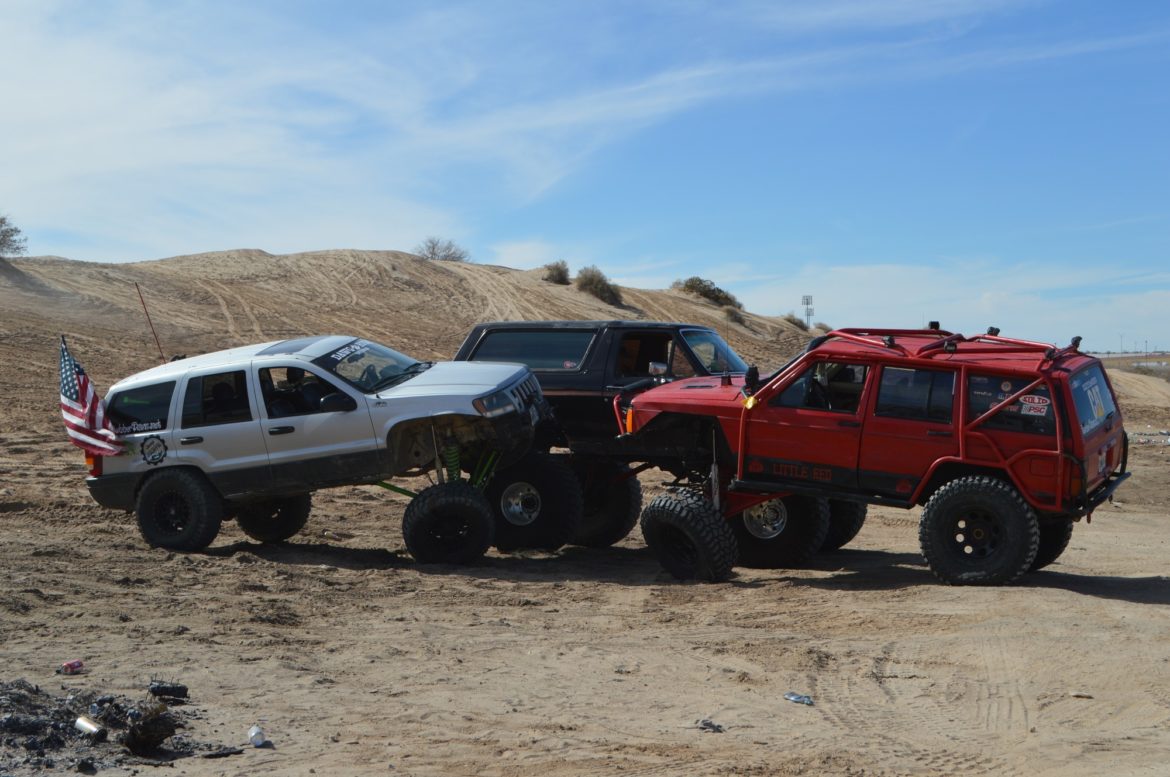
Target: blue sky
[(980, 162)]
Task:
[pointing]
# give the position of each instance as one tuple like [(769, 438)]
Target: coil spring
[(451, 462)]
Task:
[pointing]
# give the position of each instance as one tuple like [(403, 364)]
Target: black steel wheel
[(537, 503), (1054, 539), (781, 533), (978, 530), (178, 509), (612, 501), (448, 523), (689, 537), (845, 521), (275, 520)]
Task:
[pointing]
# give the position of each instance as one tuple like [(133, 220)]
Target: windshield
[(369, 366), (1093, 398), (714, 354)]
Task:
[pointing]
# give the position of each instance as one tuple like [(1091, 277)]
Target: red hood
[(706, 391)]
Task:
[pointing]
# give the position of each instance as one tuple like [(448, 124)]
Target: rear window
[(547, 351), (216, 399), (1092, 397), (922, 395), (142, 409), (1032, 413)]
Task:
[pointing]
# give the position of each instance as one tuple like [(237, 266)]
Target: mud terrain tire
[(781, 533), (448, 523), (978, 530), (1054, 538), (178, 509), (689, 537), (537, 503), (275, 520), (612, 502), (845, 521)]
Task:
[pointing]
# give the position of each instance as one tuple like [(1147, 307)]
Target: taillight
[(94, 463)]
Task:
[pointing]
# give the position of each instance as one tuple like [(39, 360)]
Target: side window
[(833, 386), (922, 395), (558, 349), (221, 398), (1032, 413), (637, 350), (142, 409), (680, 365), (292, 391)]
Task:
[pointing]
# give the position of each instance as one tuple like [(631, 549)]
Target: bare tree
[(11, 241), (441, 250)]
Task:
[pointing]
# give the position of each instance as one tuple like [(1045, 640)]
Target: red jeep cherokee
[(1005, 442)]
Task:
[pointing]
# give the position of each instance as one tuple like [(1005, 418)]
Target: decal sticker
[(139, 426), (154, 449), (1006, 386), (1034, 409), (570, 364), (1034, 399)]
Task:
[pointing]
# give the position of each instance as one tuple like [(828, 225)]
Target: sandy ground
[(357, 661)]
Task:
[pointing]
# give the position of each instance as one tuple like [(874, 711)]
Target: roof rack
[(948, 343)]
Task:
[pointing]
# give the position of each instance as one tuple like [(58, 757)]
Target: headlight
[(495, 404)]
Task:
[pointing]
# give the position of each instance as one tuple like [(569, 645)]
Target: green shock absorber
[(484, 469), (451, 462)]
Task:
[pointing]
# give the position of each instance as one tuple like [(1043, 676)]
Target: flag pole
[(147, 312)]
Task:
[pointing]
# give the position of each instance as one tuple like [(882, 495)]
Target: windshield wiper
[(403, 376)]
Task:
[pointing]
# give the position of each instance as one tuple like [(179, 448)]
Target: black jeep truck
[(592, 496)]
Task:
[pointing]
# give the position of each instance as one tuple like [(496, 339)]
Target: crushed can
[(76, 666), (90, 727)]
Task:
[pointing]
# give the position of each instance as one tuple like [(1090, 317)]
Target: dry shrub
[(795, 320), (732, 314), (557, 272), (593, 281), (701, 287)]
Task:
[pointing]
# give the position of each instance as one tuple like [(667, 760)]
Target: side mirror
[(337, 403), (658, 369)]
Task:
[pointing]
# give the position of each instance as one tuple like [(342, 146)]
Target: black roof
[(614, 324)]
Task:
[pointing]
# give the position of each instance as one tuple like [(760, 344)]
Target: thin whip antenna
[(147, 312)]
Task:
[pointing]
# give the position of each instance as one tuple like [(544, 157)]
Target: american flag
[(84, 411)]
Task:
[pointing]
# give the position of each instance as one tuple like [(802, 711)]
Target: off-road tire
[(536, 502), (978, 530), (1054, 538), (275, 520), (178, 509), (845, 521), (612, 501), (448, 523), (800, 537), (689, 537)]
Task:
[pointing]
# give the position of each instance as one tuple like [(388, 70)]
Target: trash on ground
[(1080, 695), (706, 724), (798, 698), (170, 690), (256, 736), (76, 666)]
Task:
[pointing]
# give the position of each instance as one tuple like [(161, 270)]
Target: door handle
[(938, 433), (282, 430), (850, 424), (189, 440)]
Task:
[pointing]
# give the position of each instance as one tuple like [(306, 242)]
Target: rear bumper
[(1102, 493), (114, 491)]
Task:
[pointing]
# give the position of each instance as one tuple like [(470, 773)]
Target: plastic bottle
[(256, 736)]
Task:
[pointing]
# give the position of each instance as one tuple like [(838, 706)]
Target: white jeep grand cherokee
[(251, 432)]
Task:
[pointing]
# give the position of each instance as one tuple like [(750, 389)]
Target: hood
[(694, 391), (470, 378)]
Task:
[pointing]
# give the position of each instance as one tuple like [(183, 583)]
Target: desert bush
[(593, 281), (733, 314), (792, 318), (11, 241), (441, 250), (701, 287), (557, 272), (821, 325)]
